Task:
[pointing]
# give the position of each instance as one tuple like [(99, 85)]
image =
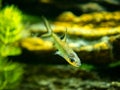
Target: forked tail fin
[(47, 25)]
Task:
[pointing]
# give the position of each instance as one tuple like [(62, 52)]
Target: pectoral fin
[(58, 53)]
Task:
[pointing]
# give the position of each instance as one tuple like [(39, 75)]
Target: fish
[(63, 48)]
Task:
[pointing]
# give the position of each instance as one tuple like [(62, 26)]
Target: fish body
[(63, 48)]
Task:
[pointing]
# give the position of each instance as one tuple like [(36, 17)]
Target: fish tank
[(59, 44)]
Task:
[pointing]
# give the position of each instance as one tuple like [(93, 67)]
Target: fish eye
[(72, 60)]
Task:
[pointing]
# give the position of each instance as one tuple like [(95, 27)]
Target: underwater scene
[(59, 44)]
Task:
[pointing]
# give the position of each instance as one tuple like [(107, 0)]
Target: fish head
[(73, 59)]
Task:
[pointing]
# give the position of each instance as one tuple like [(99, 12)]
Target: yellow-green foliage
[(10, 30), (10, 74)]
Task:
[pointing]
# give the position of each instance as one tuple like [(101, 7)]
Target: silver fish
[(63, 48)]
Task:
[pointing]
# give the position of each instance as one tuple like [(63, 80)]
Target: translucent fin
[(65, 36), (58, 53), (47, 25), (46, 35)]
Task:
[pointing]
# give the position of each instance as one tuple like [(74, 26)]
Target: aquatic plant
[(10, 74), (0, 3), (10, 30)]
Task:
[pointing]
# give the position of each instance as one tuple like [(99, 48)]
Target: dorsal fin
[(65, 36)]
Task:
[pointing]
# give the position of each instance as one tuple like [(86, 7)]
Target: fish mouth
[(78, 64)]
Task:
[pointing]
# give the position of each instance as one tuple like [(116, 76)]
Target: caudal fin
[(47, 25)]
